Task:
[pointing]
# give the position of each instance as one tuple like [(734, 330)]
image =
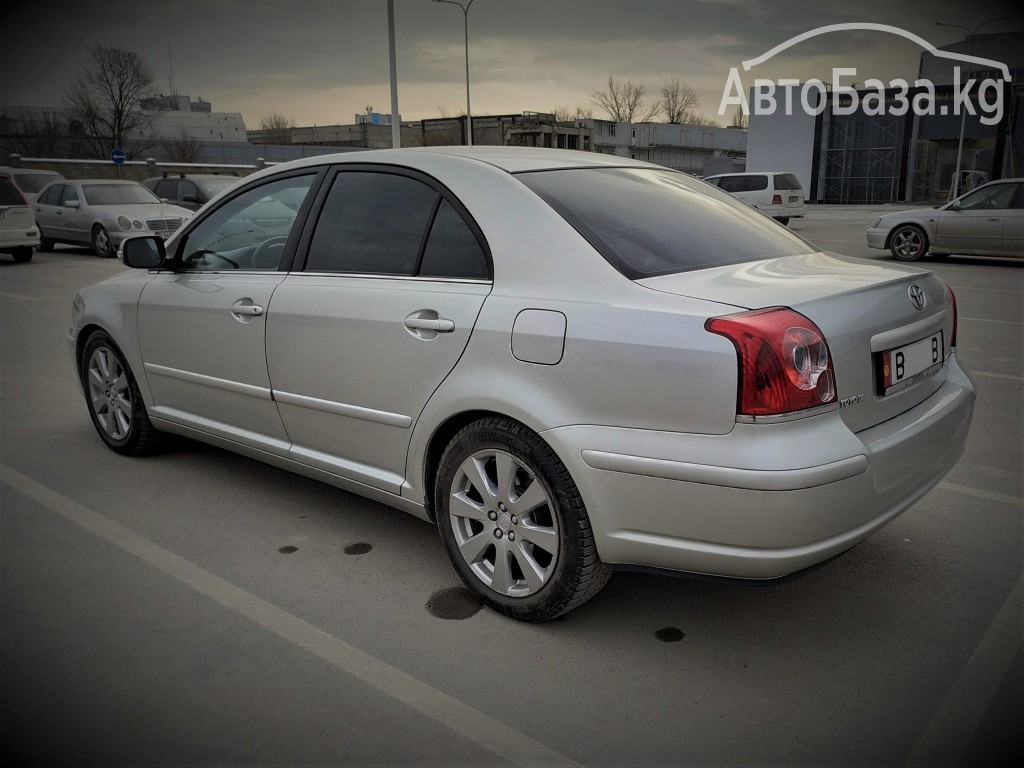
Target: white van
[(776, 194)]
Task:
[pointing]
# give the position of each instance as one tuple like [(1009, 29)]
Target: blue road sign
[(117, 156)]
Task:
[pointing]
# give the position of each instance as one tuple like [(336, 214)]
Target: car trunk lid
[(864, 309)]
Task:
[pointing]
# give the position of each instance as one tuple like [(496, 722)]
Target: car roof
[(510, 159), (10, 170)]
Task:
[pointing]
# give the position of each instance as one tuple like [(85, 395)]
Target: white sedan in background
[(102, 213), (987, 221), (567, 362)]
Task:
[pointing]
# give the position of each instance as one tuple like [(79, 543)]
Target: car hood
[(898, 217)]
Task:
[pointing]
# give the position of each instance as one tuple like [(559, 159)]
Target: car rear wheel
[(22, 254), (908, 243), (514, 524), (101, 242), (113, 397), (45, 243)]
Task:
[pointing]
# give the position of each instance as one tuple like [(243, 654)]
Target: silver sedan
[(568, 362), (987, 221), (102, 213)]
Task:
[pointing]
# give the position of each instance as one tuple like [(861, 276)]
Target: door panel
[(353, 361), (202, 340), (970, 231)]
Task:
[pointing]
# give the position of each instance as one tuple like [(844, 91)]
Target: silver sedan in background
[(987, 221), (568, 362), (102, 213)]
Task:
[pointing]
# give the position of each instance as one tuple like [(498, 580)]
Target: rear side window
[(167, 189), (649, 222), (452, 248), (786, 181), (9, 194)]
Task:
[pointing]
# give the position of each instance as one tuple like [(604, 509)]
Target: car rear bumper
[(876, 237), (784, 211), (20, 238), (764, 501)]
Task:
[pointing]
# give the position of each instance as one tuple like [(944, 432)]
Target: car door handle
[(994, 218), (439, 324), (250, 310)]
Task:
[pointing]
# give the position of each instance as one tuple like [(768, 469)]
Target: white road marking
[(19, 297), (997, 375), (987, 320), (470, 723), (953, 725)]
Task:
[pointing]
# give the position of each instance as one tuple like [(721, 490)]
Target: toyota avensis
[(569, 362)]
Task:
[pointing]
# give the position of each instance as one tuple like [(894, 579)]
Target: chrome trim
[(413, 278), (237, 387), (742, 418), (219, 429), (729, 477), (882, 342), (344, 409), (917, 297)]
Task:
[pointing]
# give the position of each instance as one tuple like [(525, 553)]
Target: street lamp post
[(963, 114), (469, 114)]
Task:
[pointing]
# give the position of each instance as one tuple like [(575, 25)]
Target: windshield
[(649, 222), (118, 194), (33, 182)]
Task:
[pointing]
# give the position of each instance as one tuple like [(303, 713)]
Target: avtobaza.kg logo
[(875, 97)]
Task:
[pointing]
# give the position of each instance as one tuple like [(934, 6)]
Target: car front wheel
[(908, 243), (514, 524), (113, 397), (45, 244), (101, 242)]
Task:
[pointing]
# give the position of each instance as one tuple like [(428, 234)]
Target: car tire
[(514, 524), (22, 254), (45, 244), (101, 242), (908, 243), (783, 220), (113, 398)]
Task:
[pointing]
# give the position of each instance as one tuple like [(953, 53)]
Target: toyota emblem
[(916, 294)]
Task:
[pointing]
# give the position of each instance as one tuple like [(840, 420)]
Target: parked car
[(778, 195), (102, 213), (987, 221), (18, 230), (569, 362), (189, 191), (30, 180)]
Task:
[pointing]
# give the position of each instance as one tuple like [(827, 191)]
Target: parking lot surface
[(199, 608)]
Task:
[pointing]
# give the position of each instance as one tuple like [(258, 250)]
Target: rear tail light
[(776, 199), (952, 299), (784, 362)]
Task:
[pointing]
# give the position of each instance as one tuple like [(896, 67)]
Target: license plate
[(794, 198), (905, 366)]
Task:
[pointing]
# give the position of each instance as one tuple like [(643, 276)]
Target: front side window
[(649, 222), (70, 195), (249, 231), (52, 195), (167, 189), (993, 198), (372, 223)]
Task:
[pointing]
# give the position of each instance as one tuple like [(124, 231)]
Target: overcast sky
[(321, 61)]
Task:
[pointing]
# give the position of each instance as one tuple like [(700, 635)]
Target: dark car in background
[(189, 191)]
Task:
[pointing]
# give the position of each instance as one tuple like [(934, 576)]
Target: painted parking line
[(978, 493), (990, 375), (470, 723), (19, 297), (990, 320)]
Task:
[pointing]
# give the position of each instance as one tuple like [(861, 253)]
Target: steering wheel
[(270, 251), (200, 255)]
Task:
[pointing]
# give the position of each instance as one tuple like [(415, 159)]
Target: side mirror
[(955, 205), (143, 252), (191, 199), (73, 204)]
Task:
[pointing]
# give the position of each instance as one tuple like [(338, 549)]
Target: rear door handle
[(254, 310)]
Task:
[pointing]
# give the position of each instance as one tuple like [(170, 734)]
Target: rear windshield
[(649, 222), (33, 182), (786, 181), (9, 194)]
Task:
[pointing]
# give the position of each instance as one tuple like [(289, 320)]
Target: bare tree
[(443, 111), (694, 118), (277, 129), (33, 132), (739, 119), (104, 104), (624, 102), (184, 149), (678, 101), (566, 114)]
